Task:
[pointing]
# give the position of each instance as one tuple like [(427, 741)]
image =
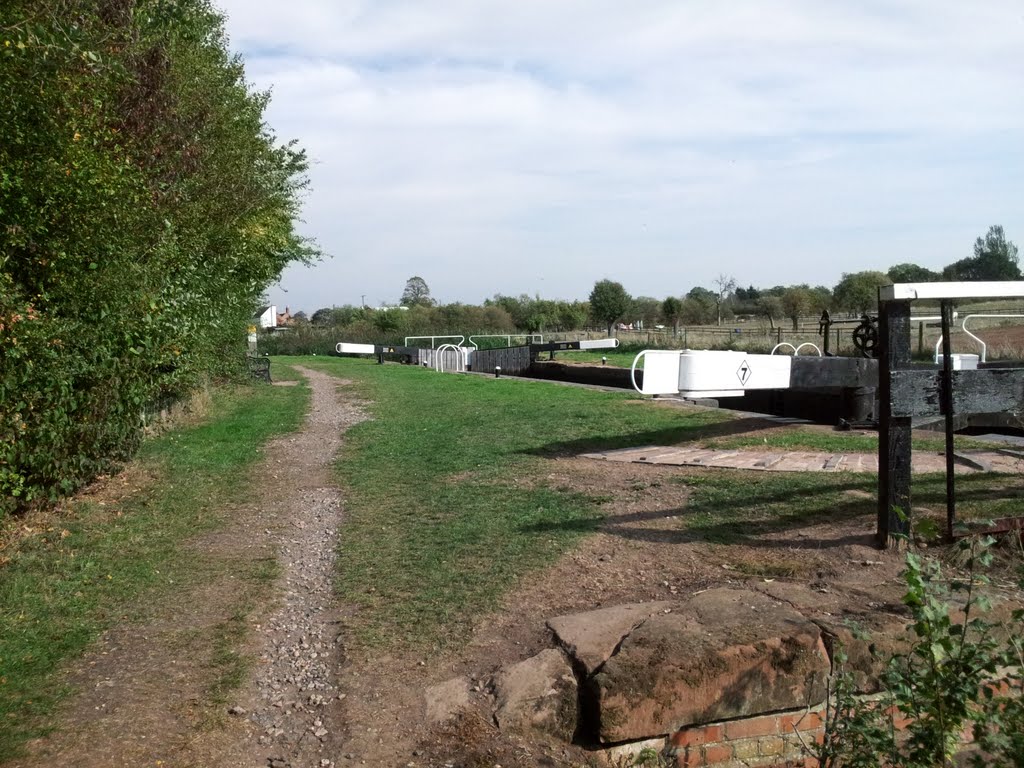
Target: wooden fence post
[(894, 431)]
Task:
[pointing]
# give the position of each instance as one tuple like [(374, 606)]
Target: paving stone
[(799, 461)]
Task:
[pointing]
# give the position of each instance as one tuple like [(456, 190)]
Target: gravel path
[(143, 689), (294, 696)]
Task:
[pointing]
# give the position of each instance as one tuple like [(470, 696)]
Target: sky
[(538, 146)]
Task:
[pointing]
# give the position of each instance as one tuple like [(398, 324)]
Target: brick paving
[(795, 461)]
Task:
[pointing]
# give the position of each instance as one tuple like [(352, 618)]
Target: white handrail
[(539, 337), (632, 370), (453, 336), (783, 344), (984, 346), (808, 344), (963, 327), (439, 356)]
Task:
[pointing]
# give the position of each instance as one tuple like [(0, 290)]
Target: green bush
[(145, 208), (945, 684)]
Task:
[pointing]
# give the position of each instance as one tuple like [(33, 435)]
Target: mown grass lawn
[(448, 506), (611, 356), (91, 565), (448, 503)]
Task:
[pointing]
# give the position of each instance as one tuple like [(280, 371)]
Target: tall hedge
[(144, 208)]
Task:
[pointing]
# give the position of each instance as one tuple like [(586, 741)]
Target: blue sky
[(538, 146)]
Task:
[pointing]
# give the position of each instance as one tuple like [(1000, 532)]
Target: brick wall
[(766, 740)]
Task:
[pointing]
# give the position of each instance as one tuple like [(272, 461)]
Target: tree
[(646, 310), (821, 298), (608, 302), (912, 273), (323, 317), (726, 285), (995, 258), (671, 313), (770, 307), (795, 302), (537, 316), (858, 291), (416, 293), (146, 207), (748, 294), (572, 315), (387, 321), (698, 308)]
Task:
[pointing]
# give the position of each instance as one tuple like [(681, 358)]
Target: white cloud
[(540, 146)]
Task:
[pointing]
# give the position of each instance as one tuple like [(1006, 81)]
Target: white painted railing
[(532, 338), (461, 339)]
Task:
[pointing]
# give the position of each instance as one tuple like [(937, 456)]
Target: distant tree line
[(145, 209), (609, 305)]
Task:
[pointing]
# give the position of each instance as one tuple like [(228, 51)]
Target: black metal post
[(946, 404), (894, 452)]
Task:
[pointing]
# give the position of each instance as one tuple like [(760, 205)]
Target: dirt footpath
[(143, 693)]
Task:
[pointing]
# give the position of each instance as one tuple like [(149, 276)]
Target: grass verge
[(447, 501), (449, 504), (104, 559)]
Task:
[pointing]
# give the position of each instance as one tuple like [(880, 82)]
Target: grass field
[(448, 503), (104, 561), (724, 511)]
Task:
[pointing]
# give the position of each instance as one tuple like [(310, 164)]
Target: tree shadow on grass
[(670, 436), (753, 513), (748, 512)]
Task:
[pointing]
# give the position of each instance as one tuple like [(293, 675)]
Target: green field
[(448, 503)]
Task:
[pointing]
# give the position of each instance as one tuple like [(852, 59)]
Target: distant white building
[(266, 317)]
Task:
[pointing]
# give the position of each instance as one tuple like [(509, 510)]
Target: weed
[(946, 683)]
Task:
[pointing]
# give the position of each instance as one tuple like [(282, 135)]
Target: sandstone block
[(539, 695), (724, 654), (592, 637)]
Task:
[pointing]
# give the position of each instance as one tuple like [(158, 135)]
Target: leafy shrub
[(946, 684), (145, 209)]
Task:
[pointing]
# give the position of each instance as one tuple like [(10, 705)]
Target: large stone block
[(445, 700), (724, 654), (538, 695), (592, 637)]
